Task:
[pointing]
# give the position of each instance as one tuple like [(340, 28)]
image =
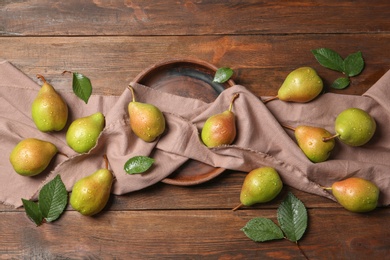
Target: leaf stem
[(231, 102), (132, 91), (66, 71), (237, 207), (270, 99)]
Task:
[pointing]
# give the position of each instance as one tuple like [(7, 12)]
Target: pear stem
[(237, 207), (39, 76), (105, 161), (231, 102), (326, 188), (61, 153), (270, 99), (288, 127), (132, 91), (330, 137)]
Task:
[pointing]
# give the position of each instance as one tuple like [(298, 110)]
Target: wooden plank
[(192, 17), (260, 62), (220, 193), (210, 234)]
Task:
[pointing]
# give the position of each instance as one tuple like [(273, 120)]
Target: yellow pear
[(220, 129), (260, 185), (301, 85), (90, 194), (49, 111), (31, 156), (146, 120), (83, 133)]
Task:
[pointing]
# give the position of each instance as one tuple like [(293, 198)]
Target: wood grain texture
[(191, 234), (260, 62), (45, 17)]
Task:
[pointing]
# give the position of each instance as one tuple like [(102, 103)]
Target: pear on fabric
[(146, 120), (31, 156), (311, 141), (220, 129), (83, 133), (354, 127), (90, 194), (49, 111)]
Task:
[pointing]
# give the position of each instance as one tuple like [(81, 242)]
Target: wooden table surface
[(112, 41)]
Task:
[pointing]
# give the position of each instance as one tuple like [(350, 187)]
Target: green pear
[(146, 120), (83, 133), (310, 140), (90, 194), (301, 85), (356, 194), (260, 185), (354, 127), (220, 129), (49, 111), (31, 156)]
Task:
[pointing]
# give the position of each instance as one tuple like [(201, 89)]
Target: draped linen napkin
[(261, 140)]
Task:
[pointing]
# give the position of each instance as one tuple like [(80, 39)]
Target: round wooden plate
[(188, 78)]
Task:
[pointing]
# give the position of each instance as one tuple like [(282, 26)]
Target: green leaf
[(340, 83), (262, 229), (53, 199), (32, 211), (138, 164), (292, 217), (354, 64), (82, 86), (329, 59), (222, 75)]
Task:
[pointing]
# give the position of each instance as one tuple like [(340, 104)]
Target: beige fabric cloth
[(261, 141)]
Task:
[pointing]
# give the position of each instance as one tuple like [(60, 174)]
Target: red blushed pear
[(301, 85), (311, 141), (220, 129), (356, 194), (146, 120)]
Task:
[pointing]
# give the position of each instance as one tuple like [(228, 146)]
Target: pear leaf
[(262, 229), (222, 75), (82, 86), (341, 83), (292, 217), (53, 198), (138, 164), (354, 64), (32, 211), (329, 59)]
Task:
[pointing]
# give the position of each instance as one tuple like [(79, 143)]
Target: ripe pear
[(83, 133), (91, 193), (146, 120), (31, 156), (260, 185), (49, 111), (310, 140), (220, 129), (354, 127), (356, 194), (301, 85)]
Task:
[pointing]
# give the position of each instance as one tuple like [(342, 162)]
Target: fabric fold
[(261, 139)]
